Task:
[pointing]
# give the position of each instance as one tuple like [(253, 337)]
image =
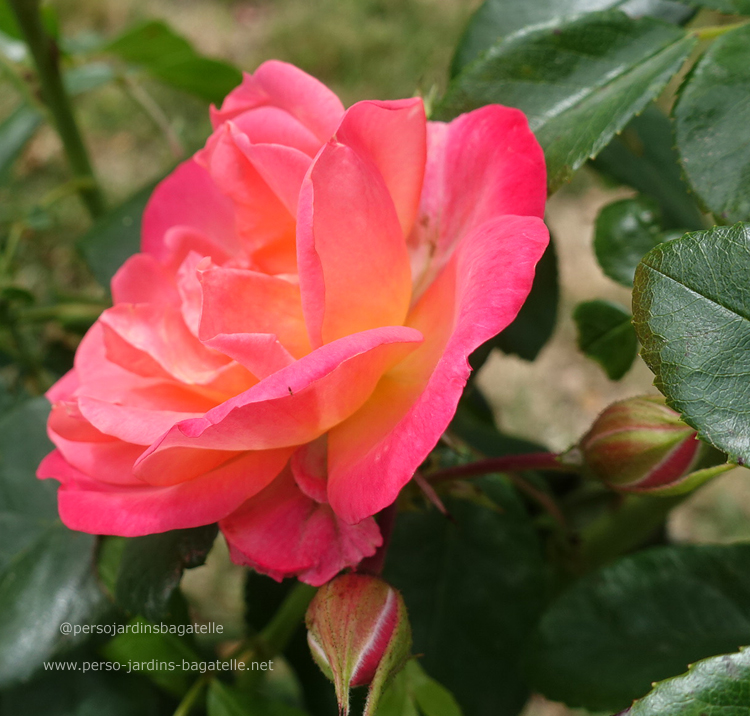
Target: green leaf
[(692, 315), (15, 131), (153, 655), (499, 18), (46, 575), (712, 126), (644, 157), (70, 692), (413, 692), (170, 58), (625, 231), (713, 687), (8, 23), (151, 568), (474, 587), (606, 335), (536, 320), (578, 83), (226, 701), (644, 618), (115, 237)]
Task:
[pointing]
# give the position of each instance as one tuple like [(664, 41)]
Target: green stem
[(277, 633), (45, 53), (712, 31), (191, 697), (630, 526)]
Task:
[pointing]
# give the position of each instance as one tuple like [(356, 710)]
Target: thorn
[(429, 492)]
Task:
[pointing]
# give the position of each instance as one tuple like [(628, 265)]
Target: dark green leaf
[(151, 568), (714, 687), (70, 692), (115, 237), (137, 648), (578, 83), (474, 588), (170, 58), (226, 701), (535, 323), (15, 131), (625, 231), (644, 157), (46, 575), (712, 125), (499, 18), (645, 618), (692, 314), (606, 335)]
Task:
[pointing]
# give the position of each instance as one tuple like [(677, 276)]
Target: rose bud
[(359, 634), (641, 445)]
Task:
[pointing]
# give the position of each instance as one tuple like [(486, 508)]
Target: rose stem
[(45, 54)]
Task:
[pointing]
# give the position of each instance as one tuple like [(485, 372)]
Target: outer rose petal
[(187, 197), (352, 259), (482, 165), (373, 455), (289, 88), (91, 506), (282, 532)]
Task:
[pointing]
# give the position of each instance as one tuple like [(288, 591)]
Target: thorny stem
[(546, 461), (45, 54)]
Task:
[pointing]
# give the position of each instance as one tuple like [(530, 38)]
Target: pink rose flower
[(293, 339)]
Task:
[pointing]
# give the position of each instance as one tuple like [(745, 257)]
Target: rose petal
[(262, 220), (289, 88), (272, 125), (309, 466), (281, 532), (296, 404), (375, 453), (482, 165), (241, 301), (88, 505), (393, 135), (353, 263), (187, 197), (142, 279)]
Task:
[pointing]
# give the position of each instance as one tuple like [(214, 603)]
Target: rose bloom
[(293, 338)]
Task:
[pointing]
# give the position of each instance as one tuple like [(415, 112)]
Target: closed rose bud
[(359, 634), (640, 445)]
